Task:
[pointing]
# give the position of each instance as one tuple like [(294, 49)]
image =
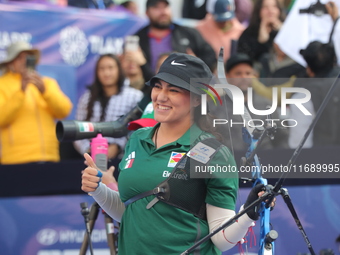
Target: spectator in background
[(132, 70), (243, 9), (29, 104), (196, 9), (136, 69), (220, 27), (162, 35), (130, 6), (321, 66), (106, 99), (125, 5), (265, 22), (277, 68)]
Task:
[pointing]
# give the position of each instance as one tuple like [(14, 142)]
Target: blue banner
[(70, 39)]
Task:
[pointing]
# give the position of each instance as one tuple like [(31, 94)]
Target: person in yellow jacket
[(29, 105)]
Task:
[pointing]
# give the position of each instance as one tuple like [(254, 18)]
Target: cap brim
[(241, 61), (140, 123), (30, 51), (174, 80), (155, 3)]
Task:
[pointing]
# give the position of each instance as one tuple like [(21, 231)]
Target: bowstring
[(221, 75)]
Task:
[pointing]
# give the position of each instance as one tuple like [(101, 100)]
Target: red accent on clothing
[(159, 39), (226, 238)]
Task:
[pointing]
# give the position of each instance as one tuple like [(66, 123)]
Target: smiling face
[(172, 105), (108, 71)]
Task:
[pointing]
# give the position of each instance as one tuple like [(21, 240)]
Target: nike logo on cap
[(176, 64)]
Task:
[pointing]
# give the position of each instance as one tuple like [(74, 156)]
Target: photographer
[(29, 106)]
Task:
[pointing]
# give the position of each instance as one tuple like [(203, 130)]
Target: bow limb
[(251, 138)]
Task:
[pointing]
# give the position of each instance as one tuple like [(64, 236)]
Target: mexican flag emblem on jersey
[(130, 159)]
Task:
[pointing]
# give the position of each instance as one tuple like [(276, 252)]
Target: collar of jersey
[(187, 139)]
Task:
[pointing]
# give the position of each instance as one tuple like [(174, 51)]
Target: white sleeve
[(229, 237), (109, 201)]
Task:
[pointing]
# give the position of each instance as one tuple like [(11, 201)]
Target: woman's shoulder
[(222, 148)]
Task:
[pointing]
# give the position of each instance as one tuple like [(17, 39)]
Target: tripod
[(112, 238)]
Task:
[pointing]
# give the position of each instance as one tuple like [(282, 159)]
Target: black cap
[(236, 59), (179, 68), (150, 3), (320, 57), (311, 49)]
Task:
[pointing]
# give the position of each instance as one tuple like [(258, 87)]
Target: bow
[(253, 138)]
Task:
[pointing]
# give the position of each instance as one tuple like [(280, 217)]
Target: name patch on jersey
[(201, 152), (174, 158)]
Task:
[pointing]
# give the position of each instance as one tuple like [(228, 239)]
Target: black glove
[(253, 195)]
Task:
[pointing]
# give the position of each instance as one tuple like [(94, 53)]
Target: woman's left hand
[(254, 194), (107, 177)]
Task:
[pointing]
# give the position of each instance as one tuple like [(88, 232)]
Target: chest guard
[(181, 191)]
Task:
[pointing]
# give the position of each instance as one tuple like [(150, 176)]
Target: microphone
[(71, 130)]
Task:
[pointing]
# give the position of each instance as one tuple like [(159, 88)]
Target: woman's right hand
[(267, 25), (91, 176), (264, 31)]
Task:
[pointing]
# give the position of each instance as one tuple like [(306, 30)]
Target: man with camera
[(29, 106)]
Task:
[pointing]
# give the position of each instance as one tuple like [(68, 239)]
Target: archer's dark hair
[(97, 91), (255, 19)]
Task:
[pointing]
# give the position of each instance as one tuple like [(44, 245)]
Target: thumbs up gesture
[(91, 175)]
